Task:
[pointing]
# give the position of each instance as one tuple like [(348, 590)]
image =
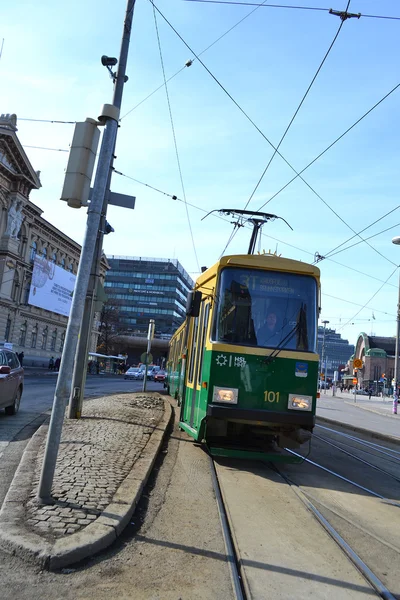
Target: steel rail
[(363, 442), (361, 487), (365, 462), (369, 575), (233, 561), (390, 459)]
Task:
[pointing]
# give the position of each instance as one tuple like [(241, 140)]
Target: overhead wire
[(357, 304), (262, 133), (315, 8), (47, 121), (369, 238), (191, 61), (203, 210), (372, 297), (174, 137), (331, 145), (297, 110), (365, 229), (43, 148)]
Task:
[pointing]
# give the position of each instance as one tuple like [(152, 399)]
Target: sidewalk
[(374, 415), (103, 464)]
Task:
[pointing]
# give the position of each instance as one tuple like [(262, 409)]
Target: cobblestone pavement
[(96, 453)]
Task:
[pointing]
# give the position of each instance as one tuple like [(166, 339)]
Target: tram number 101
[(271, 396)]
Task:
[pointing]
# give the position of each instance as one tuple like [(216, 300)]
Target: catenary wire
[(331, 145), (316, 8), (330, 253), (368, 238), (193, 60), (175, 140), (262, 133), (43, 148), (372, 297), (297, 110), (356, 304), (203, 210), (47, 121)]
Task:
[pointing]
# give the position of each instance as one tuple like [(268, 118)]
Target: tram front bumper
[(252, 415)]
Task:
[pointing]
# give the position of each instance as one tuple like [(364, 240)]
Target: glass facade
[(337, 350), (147, 288)]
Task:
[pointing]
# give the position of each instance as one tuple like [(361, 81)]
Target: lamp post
[(396, 240), (323, 365)]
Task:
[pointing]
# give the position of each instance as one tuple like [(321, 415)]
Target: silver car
[(11, 381), (134, 373)]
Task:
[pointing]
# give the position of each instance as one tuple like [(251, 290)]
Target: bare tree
[(109, 329)]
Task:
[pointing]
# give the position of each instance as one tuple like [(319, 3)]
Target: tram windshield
[(271, 309)]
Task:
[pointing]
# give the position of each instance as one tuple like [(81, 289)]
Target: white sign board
[(51, 287), (8, 346)]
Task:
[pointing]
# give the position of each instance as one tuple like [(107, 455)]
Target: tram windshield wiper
[(300, 330)]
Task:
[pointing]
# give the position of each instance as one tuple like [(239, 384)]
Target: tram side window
[(203, 341)]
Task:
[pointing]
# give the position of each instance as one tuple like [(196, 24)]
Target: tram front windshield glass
[(271, 309)]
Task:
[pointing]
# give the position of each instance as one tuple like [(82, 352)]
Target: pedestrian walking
[(21, 358), (51, 363), (57, 364), (369, 393)]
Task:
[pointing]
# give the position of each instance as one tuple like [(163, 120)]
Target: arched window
[(34, 336), (62, 341), (44, 337), (53, 340), (33, 251), (8, 329), (22, 334)]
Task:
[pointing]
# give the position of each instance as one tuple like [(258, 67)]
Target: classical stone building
[(24, 234), (377, 355)]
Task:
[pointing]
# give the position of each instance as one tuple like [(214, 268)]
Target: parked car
[(160, 376), (134, 373), (11, 381)]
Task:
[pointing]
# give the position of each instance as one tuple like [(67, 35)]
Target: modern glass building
[(148, 288), (337, 350)]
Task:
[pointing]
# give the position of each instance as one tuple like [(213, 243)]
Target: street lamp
[(396, 240), (323, 366)]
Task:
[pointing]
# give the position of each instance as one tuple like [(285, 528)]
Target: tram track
[(352, 455), (231, 481), (382, 591), (232, 557)]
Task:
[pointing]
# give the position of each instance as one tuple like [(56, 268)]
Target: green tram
[(244, 365)]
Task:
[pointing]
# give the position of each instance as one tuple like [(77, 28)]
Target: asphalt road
[(36, 403)]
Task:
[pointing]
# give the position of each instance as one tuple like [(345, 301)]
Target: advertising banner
[(51, 287)]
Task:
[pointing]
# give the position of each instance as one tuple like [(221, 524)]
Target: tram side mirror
[(193, 304)]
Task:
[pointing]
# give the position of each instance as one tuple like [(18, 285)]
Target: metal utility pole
[(323, 366), (396, 240), (150, 335), (80, 370), (95, 211)]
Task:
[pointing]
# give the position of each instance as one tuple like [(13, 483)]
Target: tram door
[(196, 361)]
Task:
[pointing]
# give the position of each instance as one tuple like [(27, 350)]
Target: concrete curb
[(18, 540), (356, 429), (376, 412)]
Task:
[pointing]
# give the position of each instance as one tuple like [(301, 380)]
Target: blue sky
[(50, 69)]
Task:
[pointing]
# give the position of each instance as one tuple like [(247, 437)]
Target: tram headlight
[(227, 395), (299, 402)]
